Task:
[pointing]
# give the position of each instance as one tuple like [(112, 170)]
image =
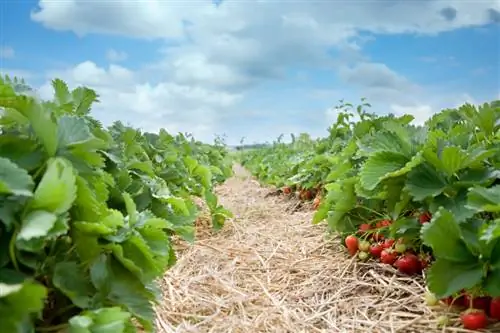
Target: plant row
[(87, 213), (417, 197)]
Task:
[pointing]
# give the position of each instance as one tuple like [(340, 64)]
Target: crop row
[(87, 213), (416, 197)]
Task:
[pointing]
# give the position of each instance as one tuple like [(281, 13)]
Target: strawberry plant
[(87, 212), (434, 188)]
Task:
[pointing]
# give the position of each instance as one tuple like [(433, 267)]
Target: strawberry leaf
[(485, 199), (424, 182), (445, 238), (14, 180), (18, 302), (446, 277), (56, 191)]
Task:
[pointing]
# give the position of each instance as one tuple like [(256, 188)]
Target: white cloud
[(116, 56), (220, 54), (420, 112), (7, 52), (168, 105)]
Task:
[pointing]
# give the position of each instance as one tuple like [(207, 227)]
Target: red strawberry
[(383, 224), (388, 243), (388, 257), (408, 264), (478, 303), (495, 308), (287, 190), (474, 319), (365, 227), (352, 244), (425, 217), (376, 250)]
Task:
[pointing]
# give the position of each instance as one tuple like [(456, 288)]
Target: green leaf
[(457, 205), (75, 131), (14, 180), (445, 277), (453, 159), (128, 291), (36, 224), (178, 204), (423, 182), (72, 281), (485, 199), (43, 126), (444, 236), (379, 166), (491, 285), (130, 207), (104, 320), (18, 302), (57, 189), (492, 231)]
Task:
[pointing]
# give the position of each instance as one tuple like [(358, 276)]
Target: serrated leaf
[(445, 277), (491, 285), (36, 224), (73, 131), (485, 199), (444, 236), (72, 281), (453, 159), (56, 191), (492, 231), (43, 126), (378, 166), (14, 180), (424, 181), (18, 302), (104, 320)]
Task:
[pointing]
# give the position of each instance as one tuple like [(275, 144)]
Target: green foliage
[(381, 167), (87, 213)]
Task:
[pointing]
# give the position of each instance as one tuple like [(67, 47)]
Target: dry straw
[(270, 270)]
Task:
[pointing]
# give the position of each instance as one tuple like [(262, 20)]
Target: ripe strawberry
[(478, 303), (425, 217), (408, 264), (376, 249), (474, 319), (365, 227), (352, 244), (495, 308), (383, 223), (287, 190), (388, 243), (388, 257)]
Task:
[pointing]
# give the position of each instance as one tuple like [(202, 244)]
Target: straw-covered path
[(270, 270)]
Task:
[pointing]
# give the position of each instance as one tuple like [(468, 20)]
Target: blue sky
[(256, 69)]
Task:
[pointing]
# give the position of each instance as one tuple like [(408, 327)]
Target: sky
[(255, 69)]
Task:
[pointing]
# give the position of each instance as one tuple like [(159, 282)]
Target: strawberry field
[(89, 214), (92, 218), (423, 199)]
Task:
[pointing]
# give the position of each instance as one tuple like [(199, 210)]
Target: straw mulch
[(272, 271)]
